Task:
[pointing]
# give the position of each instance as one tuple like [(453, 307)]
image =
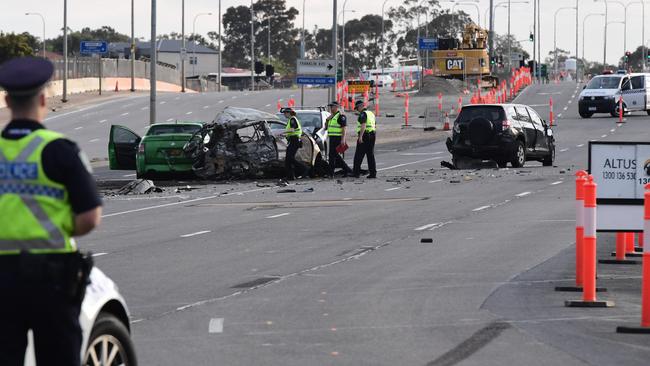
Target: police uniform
[(335, 134), (367, 145), (44, 182), (293, 132)]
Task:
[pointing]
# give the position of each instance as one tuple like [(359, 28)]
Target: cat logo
[(455, 64)]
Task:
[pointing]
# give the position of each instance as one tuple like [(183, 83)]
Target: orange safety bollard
[(460, 104), (116, 87), (629, 244), (621, 252), (645, 273), (406, 111), (620, 110), (589, 252), (376, 100), (446, 126), (550, 104)]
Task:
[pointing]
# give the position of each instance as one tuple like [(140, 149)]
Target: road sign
[(90, 47), (357, 86), (621, 170), (322, 80), (516, 57), (315, 67), (428, 43)]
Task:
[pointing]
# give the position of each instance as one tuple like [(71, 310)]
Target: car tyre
[(648, 111), (519, 155), (585, 114), (109, 333), (550, 158)]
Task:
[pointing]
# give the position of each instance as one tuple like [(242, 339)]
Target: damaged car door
[(122, 148)]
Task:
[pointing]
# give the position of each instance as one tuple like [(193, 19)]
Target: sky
[(116, 13)]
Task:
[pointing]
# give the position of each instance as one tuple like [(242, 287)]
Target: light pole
[(183, 47), (617, 22), (642, 26), (383, 40), (154, 62), (65, 51), (132, 45), (342, 13), (219, 41), (555, 34), (503, 4), (478, 10), (268, 46), (606, 24), (584, 21), (42, 20), (252, 48), (417, 45), (335, 54), (302, 53), (194, 41)]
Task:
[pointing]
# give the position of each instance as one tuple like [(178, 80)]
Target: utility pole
[(219, 41), (252, 48), (183, 50), (509, 42), (302, 53), (132, 46), (577, 35), (154, 63), (491, 33), (335, 54), (539, 40), (534, 35), (65, 51)]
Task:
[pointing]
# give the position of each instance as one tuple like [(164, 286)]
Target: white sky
[(116, 13)]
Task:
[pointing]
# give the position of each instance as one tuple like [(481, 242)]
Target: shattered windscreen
[(233, 114)]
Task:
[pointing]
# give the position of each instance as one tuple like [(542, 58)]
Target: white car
[(603, 93), (313, 123), (105, 325)]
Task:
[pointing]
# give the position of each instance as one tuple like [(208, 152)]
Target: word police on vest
[(18, 171)]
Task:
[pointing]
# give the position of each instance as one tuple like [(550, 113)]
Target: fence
[(89, 67)]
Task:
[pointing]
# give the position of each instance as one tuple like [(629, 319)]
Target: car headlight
[(206, 139)]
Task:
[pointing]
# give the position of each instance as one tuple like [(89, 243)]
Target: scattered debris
[(446, 164), (338, 181), (139, 186), (308, 190), (454, 181), (398, 180), (467, 178), (184, 189), (287, 191), (426, 240), (562, 171)]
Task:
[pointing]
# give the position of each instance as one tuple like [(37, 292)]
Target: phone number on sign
[(619, 175)]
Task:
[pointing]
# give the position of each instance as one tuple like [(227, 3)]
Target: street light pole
[(509, 42), (154, 63), (183, 47), (555, 68), (302, 54), (478, 10), (219, 41), (584, 21), (42, 20), (252, 48), (577, 35), (132, 45), (335, 55), (65, 51), (343, 42), (194, 42), (383, 40)]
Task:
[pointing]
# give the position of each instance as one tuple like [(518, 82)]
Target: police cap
[(25, 76), (358, 103), (333, 104)]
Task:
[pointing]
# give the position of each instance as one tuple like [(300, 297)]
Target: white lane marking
[(556, 183), (268, 105), (163, 102), (102, 121), (392, 189), (129, 175), (570, 101), (177, 98), (94, 140), (422, 228), (278, 215), (234, 97), (245, 94), (170, 119), (480, 208), (188, 113), (523, 194), (216, 325), (124, 114), (559, 115), (411, 163), (78, 128), (84, 109), (196, 233), (564, 150), (603, 136), (144, 108), (581, 145), (612, 130), (538, 105), (435, 181), (221, 101), (206, 106), (99, 254), (565, 108), (179, 203), (127, 105), (423, 153)]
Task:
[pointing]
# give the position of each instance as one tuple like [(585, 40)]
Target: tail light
[(141, 148), (506, 124)]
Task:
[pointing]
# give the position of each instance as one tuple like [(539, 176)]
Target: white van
[(602, 94)]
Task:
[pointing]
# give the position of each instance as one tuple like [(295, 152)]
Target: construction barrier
[(620, 110), (589, 252), (406, 110), (550, 104)]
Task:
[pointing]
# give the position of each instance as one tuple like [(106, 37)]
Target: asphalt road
[(239, 274)]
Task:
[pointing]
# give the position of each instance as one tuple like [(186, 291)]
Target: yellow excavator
[(467, 60)]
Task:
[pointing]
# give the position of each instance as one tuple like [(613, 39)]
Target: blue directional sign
[(428, 43), (96, 47), (302, 80)]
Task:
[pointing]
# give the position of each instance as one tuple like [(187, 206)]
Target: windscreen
[(604, 82), (170, 129), (491, 113)]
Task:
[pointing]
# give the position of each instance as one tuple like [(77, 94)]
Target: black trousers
[(335, 160), (38, 302), (290, 162), (365, 148)]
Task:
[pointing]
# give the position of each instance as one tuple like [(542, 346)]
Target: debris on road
[(139, 186), (287, 191), (184, 189), (426, 240)]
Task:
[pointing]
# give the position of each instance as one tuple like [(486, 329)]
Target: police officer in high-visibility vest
[(47, 197), (293, 132), (366, 127), (336, 131)]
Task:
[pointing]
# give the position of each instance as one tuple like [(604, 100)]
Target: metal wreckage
[(241, 143)]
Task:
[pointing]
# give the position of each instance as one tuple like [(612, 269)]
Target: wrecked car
[(240, 143)]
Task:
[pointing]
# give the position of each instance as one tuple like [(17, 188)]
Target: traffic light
[(493, 60), (270, 71), (531, 37), (627, 55), (259, 67)]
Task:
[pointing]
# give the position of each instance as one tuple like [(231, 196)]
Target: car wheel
[(519, 156), (615, 113), (550, 158), (109, 344), (585, 114), (648, 111), (459, 162)]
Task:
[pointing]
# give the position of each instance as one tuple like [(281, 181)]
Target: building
[(200, 60)]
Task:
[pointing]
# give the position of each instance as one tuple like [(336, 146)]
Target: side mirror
[(584, 87)]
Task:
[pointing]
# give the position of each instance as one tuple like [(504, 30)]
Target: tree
[(635, 61), (363, 42), (441, 25), (14, 45), (105, 33), (501, 47)]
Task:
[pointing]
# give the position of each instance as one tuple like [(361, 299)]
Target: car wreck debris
[(139, 186)]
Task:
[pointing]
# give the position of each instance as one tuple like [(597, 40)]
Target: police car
[(105, 326), (603, 93)]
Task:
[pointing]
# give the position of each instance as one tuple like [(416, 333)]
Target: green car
[(159, 151)]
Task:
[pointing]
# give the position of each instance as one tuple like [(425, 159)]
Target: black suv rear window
[(491, 113)]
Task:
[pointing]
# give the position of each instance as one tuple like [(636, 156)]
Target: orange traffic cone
[(279, 105), (446, 126)]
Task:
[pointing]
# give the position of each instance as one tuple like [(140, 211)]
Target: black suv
[(501, 132)]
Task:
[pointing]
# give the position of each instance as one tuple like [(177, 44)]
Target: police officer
[(293, 132), (366, 127), (47, 197), (336, 132)]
